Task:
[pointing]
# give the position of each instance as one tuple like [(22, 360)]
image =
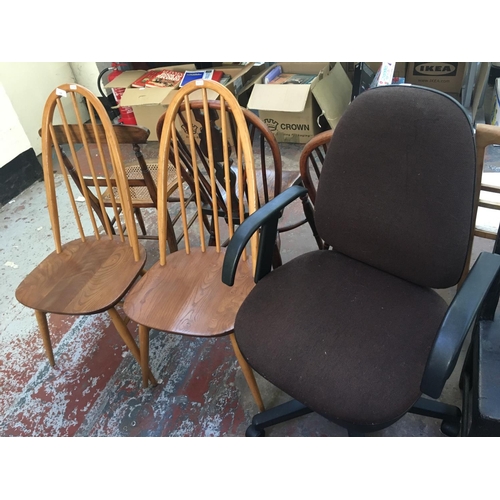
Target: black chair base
[(451, 416), (277, 415), (479, 383)]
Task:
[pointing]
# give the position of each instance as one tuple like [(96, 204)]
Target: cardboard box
[(444, 76), (292, 112), (252, 77), (150, 103), (146, 103), (240, 74), (495, 116)]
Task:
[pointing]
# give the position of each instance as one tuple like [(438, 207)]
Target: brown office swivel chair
[(183, 294), (357, 333), (92, 273)]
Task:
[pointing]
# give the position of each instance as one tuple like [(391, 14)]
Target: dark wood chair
[(183, 293), (357, 333), (272, 179), (311, 162), (92, 273)]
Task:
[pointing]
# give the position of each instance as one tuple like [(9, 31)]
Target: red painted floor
[(95, 388)]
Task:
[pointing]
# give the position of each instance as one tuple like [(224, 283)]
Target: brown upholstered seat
[(338, 318)]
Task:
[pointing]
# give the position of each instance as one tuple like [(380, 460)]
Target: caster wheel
[(450, 428), (253, 431)]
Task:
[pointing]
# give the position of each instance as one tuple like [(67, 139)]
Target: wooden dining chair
[(142, 174), (486, 135), (92, 273), (183, 292), (272, 179), (311, 162)]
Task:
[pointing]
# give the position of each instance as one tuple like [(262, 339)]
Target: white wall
[(13, 139), (29, 84), (86, 74)]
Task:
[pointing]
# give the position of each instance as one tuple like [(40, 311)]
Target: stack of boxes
[(295, 112)]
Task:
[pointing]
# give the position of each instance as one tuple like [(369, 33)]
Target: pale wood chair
[(90, 274), (486, 135), (142, 174), (183, 292), (271, 177)]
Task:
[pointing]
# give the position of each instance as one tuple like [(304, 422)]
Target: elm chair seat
[(198, 304), (330, 291)]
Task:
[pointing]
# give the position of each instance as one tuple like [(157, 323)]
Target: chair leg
[(309, 213), (43, 325), (130, 343), (144, 348), (277, 261), (248, 373), (171, 238), (211, 233), (355, 434), (277, 415), (450, 415), (140, 220)]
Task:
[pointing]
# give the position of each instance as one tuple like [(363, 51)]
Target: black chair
[(356, 333)]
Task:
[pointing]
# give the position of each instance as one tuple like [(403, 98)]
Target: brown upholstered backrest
[(397, 185)]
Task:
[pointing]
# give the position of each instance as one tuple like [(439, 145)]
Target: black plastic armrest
[(266, 217), (477, 296)]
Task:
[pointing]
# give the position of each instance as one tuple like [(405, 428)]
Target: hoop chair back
[(212, 167), (63, 129), (311, 161)]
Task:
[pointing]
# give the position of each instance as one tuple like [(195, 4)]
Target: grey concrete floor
[(26, 239)]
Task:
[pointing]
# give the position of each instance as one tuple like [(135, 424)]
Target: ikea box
[(292, 112), (444, 76)]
